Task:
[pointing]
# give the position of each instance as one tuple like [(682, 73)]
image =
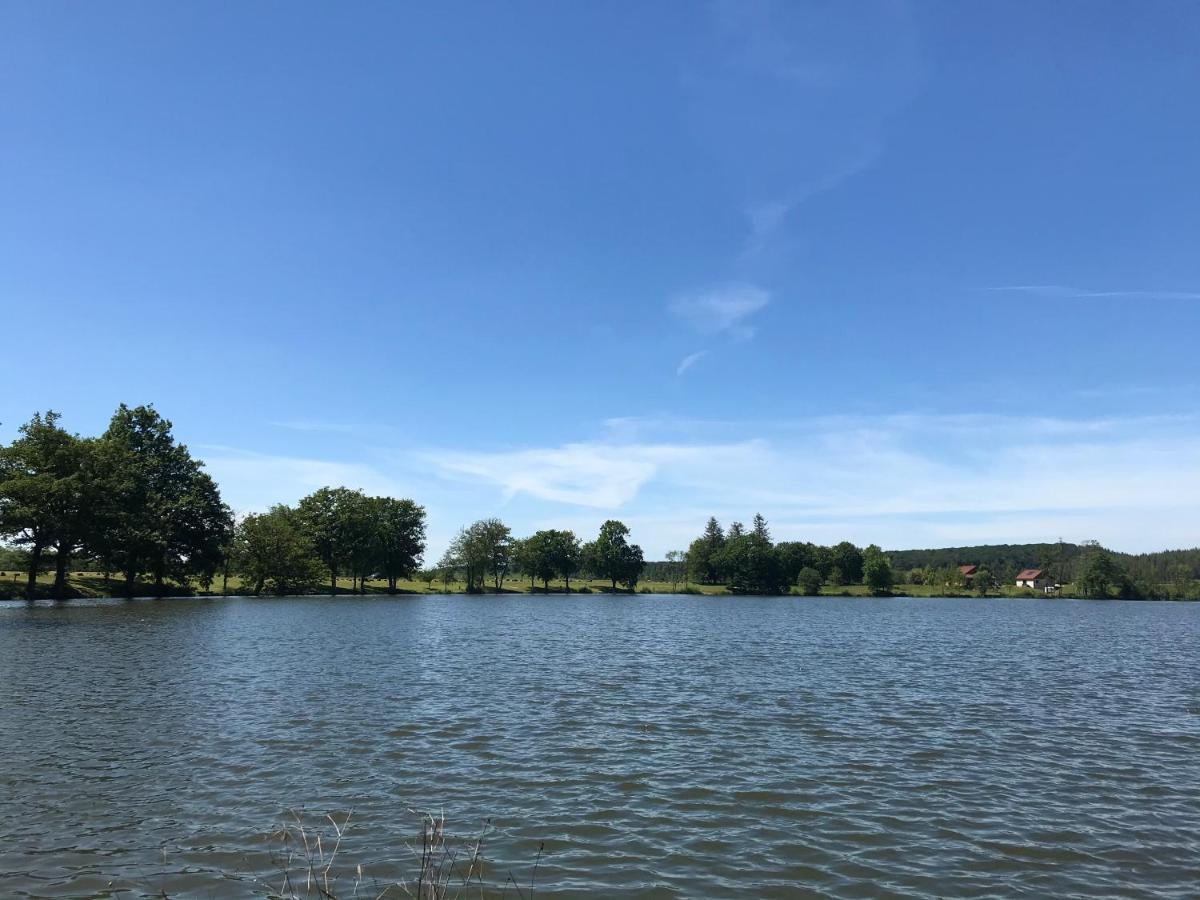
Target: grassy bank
[(94, 584)]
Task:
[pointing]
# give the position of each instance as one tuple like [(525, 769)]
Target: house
[(968, 572), (1034, 578)]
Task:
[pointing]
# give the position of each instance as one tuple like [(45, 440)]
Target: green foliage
[(335, 521), (162, 514), (848, 560), (1101, 575), (795, 556), (611, 556), (877, 571), (549, 554), (271, 551), (46, 492), (809, 581), (751, 565), (397, 530), (983, 581), (702, 554)]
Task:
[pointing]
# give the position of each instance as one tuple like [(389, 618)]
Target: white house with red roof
[(1034, 578)]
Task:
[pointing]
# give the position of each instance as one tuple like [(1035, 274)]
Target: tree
[(983, 580), (333, 519), (793, 557), (162, 513), (399, 537), (809, 581), (538, 557), (1100, 573), (550, 553), (428, 576), (567, 555), (611, 555), (760, 528), (849, 561), (677, 564), (272, 551), (44, 494), (751, 565), (736, 529), (483, 548), (447, 567), (877, 571), (703, 552)]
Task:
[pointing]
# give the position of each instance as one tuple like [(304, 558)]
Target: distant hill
[(996, 557), (1005, 560), (1060, 558)]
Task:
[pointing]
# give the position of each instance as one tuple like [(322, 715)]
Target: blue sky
[(919, 274)]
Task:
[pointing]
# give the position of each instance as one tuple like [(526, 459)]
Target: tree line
[(487, 552), (747, 561), (133, 501)]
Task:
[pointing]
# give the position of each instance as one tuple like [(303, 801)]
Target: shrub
[(809, 581)]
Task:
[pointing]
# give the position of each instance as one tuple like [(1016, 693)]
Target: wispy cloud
[(721, 309), (252, 482), (897, 480), (894, 480), (1065, 292), (690, 360), (768, 218)]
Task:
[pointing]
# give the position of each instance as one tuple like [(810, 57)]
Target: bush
[(809, 581)]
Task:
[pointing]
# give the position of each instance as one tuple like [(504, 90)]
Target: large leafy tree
[(848, 560), (481, 549), (272, 552), (611, 555), (537, 556), (794, 556), (163, 514), (44, 492), (877, 571), (333, 520), (399, 537)]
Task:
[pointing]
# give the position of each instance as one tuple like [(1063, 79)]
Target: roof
[(1030, 575), (968, 570)]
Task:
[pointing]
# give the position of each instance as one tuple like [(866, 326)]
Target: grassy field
[(93, 584)]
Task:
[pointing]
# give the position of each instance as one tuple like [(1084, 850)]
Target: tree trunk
[(391, 584), (225, 582), (60, 573), (568, 583), (333, 582), (35, 563), (614, 581), (546, 585), (130, 575)]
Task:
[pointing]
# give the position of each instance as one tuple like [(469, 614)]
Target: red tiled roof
[(1030, 575), (968, 570)]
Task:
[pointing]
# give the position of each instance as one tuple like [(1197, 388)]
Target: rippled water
[(660, 747)]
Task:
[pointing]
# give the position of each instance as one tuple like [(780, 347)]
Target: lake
[(656, 746)]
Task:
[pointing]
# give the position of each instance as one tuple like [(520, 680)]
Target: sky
[(917, 274)]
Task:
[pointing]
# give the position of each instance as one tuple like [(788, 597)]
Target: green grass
[(93, 584)]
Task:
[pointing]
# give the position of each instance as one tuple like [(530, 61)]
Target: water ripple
[(659, 747)]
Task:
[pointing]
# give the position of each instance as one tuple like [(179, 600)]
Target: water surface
[(658, 746)]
